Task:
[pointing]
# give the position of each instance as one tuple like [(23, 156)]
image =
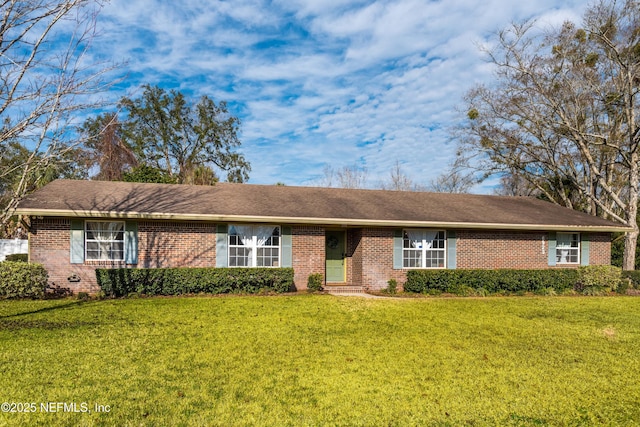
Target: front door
[(335, 251)]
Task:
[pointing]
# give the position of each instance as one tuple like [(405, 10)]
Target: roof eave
[(338, 222)]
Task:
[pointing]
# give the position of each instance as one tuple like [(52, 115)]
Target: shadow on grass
[(46, 309), (13, 322)]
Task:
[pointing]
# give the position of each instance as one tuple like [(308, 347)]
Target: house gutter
[(337, 222)]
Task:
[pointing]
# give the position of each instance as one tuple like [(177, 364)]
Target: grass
[(324, 360)]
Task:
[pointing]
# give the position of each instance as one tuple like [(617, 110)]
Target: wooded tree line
[(559, 121)]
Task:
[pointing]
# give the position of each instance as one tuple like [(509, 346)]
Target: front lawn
[(320, 359)]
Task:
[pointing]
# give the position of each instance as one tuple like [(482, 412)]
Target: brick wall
[(373, 257), (176, 244), (369, 251), (354, 252), (160, 244), (308, 253), (377, 259), (49, 244), (502, 249), (600, 249)]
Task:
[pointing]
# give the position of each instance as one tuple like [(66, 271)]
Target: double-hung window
[(567, 248), (104, 240), (254, 246), (423, 248)]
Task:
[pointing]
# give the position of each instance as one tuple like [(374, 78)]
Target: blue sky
[(322, 82)]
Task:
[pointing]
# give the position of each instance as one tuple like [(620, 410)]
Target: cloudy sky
[(322, 82)]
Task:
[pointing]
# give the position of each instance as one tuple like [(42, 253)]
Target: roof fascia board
[(341, 222)]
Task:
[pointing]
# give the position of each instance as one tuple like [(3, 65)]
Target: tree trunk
[(630, 243), (631, 238)]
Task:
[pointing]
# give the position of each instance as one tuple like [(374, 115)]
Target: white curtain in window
[(263, 232), (245, 234), (430, 237), (415, 236), (101, 233)]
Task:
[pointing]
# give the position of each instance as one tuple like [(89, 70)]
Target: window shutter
[(552, 249), (397, 249), (77, 241), (584, 249), (131, 242), (287, 256), (451, 250), (222, 259)]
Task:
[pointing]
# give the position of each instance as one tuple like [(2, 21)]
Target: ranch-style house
[(357, 239)]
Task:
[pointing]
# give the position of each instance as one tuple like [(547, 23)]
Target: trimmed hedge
[(17, 257), (490, 281), (22, 280), (176, 281)]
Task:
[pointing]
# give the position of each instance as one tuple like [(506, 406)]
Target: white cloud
[(322, 82)]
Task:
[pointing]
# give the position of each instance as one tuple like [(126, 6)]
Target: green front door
[(335, 249)]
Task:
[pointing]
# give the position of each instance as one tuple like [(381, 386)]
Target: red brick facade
[(307, 244), (369, 253), (176, 244)]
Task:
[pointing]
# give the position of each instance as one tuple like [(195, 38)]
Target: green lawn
[(323, 360)]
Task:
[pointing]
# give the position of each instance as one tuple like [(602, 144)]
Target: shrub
[(22, 280), (550, 292), (175, 281), (17, 257), (624, 285), (633, 276), (314, 282), (490, 281), (392, 286), (82, 296), (55, 291), (600, 278)]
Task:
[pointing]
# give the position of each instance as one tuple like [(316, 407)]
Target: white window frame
[(570, 248), (87, 240), (253, 247), (424, 248)]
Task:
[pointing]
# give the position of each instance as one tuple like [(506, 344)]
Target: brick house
[(357, 239)]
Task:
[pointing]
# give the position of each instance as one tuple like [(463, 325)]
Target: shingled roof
[(226, 202)]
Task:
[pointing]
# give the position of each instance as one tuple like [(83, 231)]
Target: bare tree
[(512, 184), (400, 181), (451, 182), (346, 177), (564, 113), (457, 178), (46, 80)]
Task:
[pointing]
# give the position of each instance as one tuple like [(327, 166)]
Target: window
[(567, 248), (254, 246), (104, 241), (423, 249)]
